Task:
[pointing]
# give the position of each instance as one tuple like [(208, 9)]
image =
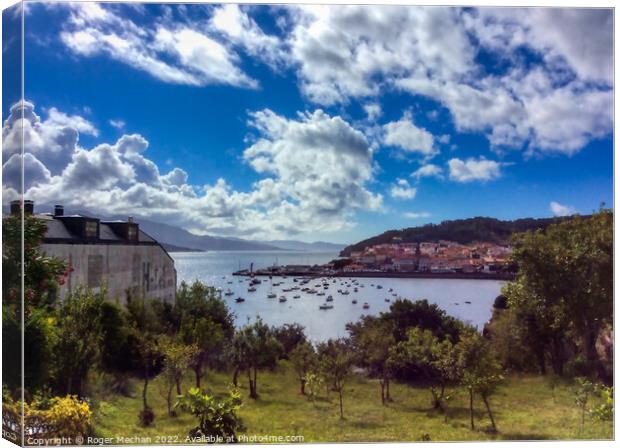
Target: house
[(115, 255)]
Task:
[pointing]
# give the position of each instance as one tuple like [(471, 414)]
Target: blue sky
[(313, 123)]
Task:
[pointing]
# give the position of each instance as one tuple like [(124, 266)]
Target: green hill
[(460, 230)]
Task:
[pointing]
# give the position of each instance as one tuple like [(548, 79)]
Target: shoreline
[(371, 274)]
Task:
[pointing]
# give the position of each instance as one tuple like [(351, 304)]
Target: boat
[(346, 293), (390, 290), (229, 293), (467, 302), (230, 282), (366, 306), (354, 301), (297, 296), (394, 294), (329, 299), (325, 306), (239, 299), (251, 289), (271, 295), (355, 289), (387, 300), (255, 281), (282, 299), (320, 293), (379, 287)]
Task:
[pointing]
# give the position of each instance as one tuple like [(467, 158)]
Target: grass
[(525, 408)]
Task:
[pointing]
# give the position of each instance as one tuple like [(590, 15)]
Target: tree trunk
[(252, 383), (303, 386), (178, 382), (340, 399), (198, 372), (486, 403), (169, 399), (387, 389), (235, 378), (255, 382), (382, 383), (471, 408), (145, 404)]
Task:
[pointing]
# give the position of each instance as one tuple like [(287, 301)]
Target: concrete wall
[(136, 270)]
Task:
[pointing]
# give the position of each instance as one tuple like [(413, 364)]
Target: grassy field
[(524, 408)]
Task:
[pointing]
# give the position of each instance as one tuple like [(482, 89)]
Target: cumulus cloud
[(314, 173), (561, 210), (428, 170), (402, 190), (373, 110), (406, 135), (473, 170), (176, 53)]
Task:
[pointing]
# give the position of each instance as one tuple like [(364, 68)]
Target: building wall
[(135, 270)]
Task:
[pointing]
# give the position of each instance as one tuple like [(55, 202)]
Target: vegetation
[(461, 231), (89, 355)]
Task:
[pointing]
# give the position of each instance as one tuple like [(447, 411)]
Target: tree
[(177, 358), (336, 359), (304, 360), (206, 322), (43, 275), (145, 328), (217, 419), (372, 339), (78, 338), (563, 292), (405, 314), (479, 370), (290, 336), (423, 359), (259, 349)]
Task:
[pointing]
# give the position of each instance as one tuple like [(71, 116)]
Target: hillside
[(461, 230)]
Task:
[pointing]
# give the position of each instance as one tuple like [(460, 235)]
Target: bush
[(147, 416), (501, 302)]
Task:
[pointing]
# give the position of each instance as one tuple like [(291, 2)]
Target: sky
[(331, 123)]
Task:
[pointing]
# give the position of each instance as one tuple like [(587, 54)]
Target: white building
[(115, 255)]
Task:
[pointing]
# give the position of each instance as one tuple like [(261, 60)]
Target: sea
[(468, 300)]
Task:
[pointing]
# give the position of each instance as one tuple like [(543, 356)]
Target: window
[(95, 270), (90, 229)]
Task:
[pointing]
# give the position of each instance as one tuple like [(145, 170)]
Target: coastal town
[(402, 259)]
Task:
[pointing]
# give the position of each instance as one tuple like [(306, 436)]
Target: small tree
[(259, 349), (480, 371), (584, 389), (216, 418), (336, 360), (177, 358), (304, 360), (372, 339)]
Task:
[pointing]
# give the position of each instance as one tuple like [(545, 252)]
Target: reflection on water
[(215, 268)]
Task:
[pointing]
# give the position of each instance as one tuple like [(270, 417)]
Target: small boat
[(271, 295), (355, 289), (230, 282), (329, 299), (366, 306), (467, 302), (379, 287), (325, 306), (354, 302), (239, 299), (229, 293), (387, 300), (391, 289), (394, 294), (251, 289), (320, 293), (282, 299), (346, 293), (297, 296), (255, 281)]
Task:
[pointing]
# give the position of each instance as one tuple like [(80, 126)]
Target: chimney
[(59, 210), (130, 219), (28, 207), (16, 207)]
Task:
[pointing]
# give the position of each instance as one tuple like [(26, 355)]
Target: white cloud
[(428, 170), (175, 53), (60, 119), (373, 110), (473, 169), (314, 173), (444, 139), (402, 190), (406, 135), (561, 210), (416, 215), (118, 124)]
